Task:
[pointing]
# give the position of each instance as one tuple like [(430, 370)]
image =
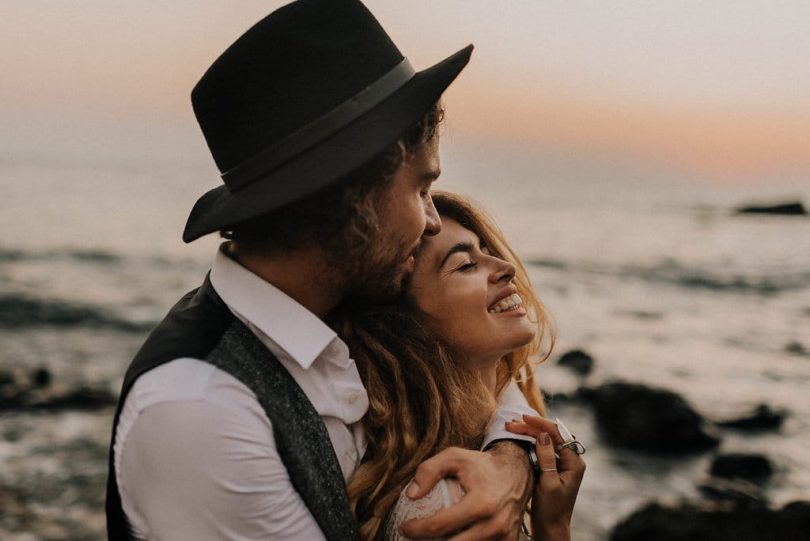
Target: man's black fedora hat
[(308, 94)]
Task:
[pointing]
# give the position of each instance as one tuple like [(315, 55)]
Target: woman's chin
[(514, 340), (516, 325), (524, 336)]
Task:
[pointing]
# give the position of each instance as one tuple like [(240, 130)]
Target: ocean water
[(655, 276)]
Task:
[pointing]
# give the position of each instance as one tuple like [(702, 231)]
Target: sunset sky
[(717, 90)]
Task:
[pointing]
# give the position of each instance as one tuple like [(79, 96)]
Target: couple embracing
[(357, 363)]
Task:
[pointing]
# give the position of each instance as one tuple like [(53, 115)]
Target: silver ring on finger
[(575, 445)]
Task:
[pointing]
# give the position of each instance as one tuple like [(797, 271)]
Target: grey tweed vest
[(301, 437), (201, 326)]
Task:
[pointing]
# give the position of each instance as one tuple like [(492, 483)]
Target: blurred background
[(615, 143)]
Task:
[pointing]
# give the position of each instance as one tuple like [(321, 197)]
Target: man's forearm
[(516, 468)]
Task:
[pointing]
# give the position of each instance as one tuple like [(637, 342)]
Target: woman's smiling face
[(469, 296)]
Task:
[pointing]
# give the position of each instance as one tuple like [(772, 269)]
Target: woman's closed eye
[(467, 267)]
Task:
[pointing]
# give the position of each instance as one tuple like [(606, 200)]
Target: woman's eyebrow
[(460, 247)]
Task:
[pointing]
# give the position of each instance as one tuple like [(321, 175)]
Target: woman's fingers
[(532, 426), (549, 476), (571, 464), (556, 491), (546, 426), (519, 427)]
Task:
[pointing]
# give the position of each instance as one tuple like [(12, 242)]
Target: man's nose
[(433, 223)]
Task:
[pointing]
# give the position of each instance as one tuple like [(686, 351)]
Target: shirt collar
[(299, 332)]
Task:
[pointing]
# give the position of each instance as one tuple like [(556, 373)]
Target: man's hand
[(497, 484)]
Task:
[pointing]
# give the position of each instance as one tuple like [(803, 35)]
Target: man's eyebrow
[(460, 247)]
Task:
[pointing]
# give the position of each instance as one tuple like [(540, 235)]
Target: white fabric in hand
[(447, 492)]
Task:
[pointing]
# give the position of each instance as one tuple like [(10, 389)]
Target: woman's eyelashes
[(466, 267)]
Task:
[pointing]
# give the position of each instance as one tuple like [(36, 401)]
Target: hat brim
[(329, 160)]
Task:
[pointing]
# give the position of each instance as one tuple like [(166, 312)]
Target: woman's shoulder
[(446, 492)]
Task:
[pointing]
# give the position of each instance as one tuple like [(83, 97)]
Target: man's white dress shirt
[(195, 456)]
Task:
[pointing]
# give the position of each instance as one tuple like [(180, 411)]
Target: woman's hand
[(558, 486)]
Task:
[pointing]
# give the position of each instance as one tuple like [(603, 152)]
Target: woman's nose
[(503, 271)]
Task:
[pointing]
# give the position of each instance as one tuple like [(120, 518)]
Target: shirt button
[(351, 398)]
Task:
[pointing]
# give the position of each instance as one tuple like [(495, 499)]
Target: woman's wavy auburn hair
[(421, 400)]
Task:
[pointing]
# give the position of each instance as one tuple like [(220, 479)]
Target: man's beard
[(375, 271)]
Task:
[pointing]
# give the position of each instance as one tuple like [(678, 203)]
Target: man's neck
[(303, 274)]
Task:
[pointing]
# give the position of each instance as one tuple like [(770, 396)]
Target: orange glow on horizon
[(723, 145)]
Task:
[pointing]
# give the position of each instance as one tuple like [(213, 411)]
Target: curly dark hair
[(343, 216)]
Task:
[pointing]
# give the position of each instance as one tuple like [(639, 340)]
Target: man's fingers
[(444, 464), (451, 519)]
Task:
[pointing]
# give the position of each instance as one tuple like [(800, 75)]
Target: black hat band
[(299, 141)]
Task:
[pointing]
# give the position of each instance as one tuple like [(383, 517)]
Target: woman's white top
[(446, 492)]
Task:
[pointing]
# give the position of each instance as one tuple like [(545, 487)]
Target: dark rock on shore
[(647, 419), (787, 209), (730, 523), (581, 395), (578, 361), (41, 377), (735, 491), (796, 348), (13, 388), (554, 398), (756, 468), (763, 417), (82, 398), (19, 391)]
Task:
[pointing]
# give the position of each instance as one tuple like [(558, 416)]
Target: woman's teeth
[(512, 302)]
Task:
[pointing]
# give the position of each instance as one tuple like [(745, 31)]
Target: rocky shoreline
[(65, 498), (54, 443), (692, 521), (660, 422)]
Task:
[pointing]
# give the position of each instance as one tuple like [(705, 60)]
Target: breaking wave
[(92, 256), (21, 312), (670, 273)]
